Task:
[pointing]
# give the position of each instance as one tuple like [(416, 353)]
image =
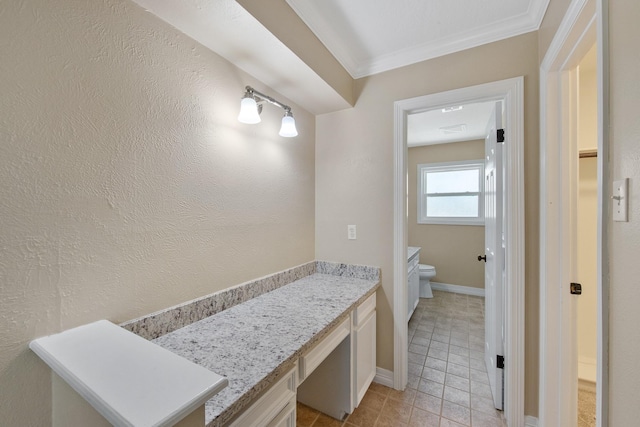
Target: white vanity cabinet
[(413, 281), (336, 373), (364, 347), (275, 408)]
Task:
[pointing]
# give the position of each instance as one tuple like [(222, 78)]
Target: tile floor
[(448, 384)]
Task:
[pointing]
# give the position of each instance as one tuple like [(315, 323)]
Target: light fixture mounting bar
[(263, 97)]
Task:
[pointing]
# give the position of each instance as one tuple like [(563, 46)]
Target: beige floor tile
[(385, 421), (454, 395), (420, 418), (457, 413), (480, 419), (431, 387), (439, 364), (373, 400), (380, 389), (433, 375), (397, 410), (483, 404), (305, 416), (326, 421), (428, 402), (363, 417), (406, 396)]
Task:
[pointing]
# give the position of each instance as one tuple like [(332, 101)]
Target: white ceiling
[(366, 36), (371, 36), (438, 127)]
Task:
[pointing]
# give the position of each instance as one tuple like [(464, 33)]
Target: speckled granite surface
[(252, 343), (162, 322), (348, 270), (157, 324)]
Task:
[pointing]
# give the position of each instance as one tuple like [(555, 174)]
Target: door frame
[(511, 93), (583, 24)]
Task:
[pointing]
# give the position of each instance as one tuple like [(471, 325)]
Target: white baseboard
[(530, 421), (587, 369), (384, 377), (457, 289)]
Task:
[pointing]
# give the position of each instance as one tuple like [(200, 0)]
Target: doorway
[(585, 242), (581, 29), (510, 93)]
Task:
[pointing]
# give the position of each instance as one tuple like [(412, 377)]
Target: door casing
[(511, 93), (584, 24)]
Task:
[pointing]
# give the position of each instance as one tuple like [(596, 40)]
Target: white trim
[(400, 242), (457, 289), (587, 369), (511, 92), (384, 377), (584, 23), (530, 421), (361, 67)]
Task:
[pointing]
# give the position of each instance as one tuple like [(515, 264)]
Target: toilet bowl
[(427, 272)]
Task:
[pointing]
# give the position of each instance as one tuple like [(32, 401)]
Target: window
[(451, 193)]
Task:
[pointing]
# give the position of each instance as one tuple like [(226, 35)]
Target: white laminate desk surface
[(127, 379)]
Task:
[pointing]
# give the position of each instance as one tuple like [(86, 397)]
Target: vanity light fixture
[(251, 107)]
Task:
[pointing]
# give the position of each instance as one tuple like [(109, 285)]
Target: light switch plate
[(351, 232), (620, 199)]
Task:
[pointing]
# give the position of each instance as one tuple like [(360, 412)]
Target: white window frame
[(449, 167)]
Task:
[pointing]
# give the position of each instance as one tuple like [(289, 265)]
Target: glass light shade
[(288, 128), (249, 111)]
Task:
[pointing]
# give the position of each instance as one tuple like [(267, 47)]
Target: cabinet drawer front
[(413, 263), (264, 410), (310, 361), (286, 417), (361, 313)]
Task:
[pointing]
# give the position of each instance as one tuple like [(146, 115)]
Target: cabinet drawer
[(317, 354), (361, 313), (413, 263), (264, 411)]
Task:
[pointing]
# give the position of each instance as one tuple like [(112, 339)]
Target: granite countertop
[(412, 251), (252, 343)]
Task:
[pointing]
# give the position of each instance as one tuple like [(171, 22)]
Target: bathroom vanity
[(312, 340), (413, 279), (307, 334)]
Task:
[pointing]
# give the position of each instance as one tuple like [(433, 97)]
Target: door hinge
[(500, 135), (576, 289), (500, 362)]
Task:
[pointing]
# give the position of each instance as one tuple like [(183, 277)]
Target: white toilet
[(427, 272)]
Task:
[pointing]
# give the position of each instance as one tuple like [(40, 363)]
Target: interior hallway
[(448, 384)]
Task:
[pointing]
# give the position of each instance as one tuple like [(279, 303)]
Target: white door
[(494, 253)]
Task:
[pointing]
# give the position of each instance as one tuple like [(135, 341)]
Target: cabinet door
[(287, 417), (272, 407), (413, 291), (365, 366)]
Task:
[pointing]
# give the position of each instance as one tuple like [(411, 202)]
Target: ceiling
[(365, 36), (449, 125), (371, 36)]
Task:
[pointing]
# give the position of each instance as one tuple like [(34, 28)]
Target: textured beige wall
[(126, 183), (452, 249), (354, 173), (550, 23), (587, 218), (624, 349)]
